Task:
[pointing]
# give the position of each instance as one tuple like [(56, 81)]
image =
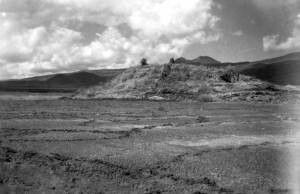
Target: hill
[(187, 82), (67, 82), (201, 60)]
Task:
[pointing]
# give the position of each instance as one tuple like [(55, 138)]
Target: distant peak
[(206, 60), (204, 57), (181, 60)]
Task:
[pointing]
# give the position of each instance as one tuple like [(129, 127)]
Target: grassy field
[(117, 146)]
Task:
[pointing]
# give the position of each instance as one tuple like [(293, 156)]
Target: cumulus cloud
[(37, 38), (293, 42)]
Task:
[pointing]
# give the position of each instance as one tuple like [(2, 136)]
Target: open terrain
[(124, 146), (172, 128)]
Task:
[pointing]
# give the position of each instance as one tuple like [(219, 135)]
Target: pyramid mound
[(184, 82)]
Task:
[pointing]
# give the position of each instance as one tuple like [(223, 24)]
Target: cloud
[(37, 37), (293, 42), (238, 33), (174, 17)]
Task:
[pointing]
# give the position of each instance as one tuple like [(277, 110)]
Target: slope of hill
[(284, 70), (61, 78), (292, 56), (186, 82), (68, 82), (88, 79)]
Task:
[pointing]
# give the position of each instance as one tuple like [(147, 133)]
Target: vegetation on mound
[(179, 82)]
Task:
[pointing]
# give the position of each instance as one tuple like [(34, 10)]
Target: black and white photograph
[(150, 96)]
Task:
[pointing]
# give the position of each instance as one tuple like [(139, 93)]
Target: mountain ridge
[(62, 82)]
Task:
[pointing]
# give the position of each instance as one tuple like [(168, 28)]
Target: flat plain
[(134, 146)]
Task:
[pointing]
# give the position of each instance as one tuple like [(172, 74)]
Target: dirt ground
[(113, 146)]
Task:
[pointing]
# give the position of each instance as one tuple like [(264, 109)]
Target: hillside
[(67, 82), (186, 82), (284, 70)]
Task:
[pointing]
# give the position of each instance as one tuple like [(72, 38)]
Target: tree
[(144, 62)]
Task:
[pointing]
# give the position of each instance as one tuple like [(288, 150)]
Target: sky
[(39, 37)]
